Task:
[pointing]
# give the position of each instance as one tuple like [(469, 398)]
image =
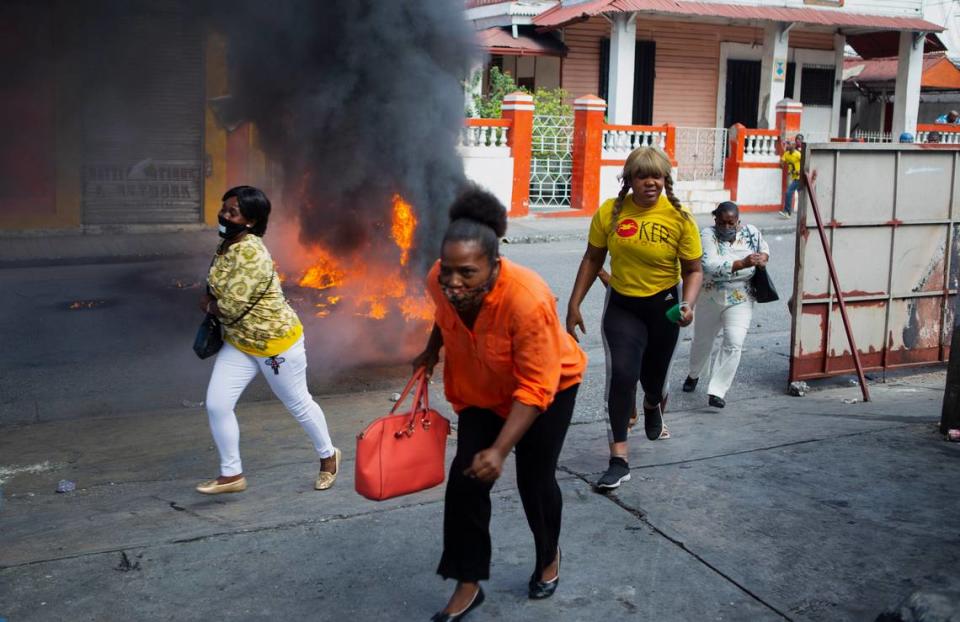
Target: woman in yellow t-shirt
[(653, 241), (262, 333)]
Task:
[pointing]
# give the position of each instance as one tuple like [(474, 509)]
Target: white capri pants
[(710, 317), (286, 374)]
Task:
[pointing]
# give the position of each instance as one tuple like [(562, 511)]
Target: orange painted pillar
[(670, 143), (731, 169), (789, 113), (587, 151), (518, 109)]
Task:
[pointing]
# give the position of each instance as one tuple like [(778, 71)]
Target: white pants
[(710, 317), (287, 376)]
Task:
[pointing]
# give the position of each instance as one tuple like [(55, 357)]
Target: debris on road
[(851, 400), (125, 565), (798, 389), (85, 304), (924, 607), (395, 397), (190, 404), (66, 485)]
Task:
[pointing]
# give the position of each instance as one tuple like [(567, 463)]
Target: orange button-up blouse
[(517, 350)]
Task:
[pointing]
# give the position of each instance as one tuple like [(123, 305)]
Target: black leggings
[(640, 341), (466, 509)]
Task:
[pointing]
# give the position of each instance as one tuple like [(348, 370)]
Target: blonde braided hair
[(645, 162)]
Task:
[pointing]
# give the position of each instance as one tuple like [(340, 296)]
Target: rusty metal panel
[(892, 218)]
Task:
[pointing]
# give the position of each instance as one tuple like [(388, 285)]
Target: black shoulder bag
[(209, 337), (760, 283)]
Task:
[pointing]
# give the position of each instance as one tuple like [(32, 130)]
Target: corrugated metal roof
[(501, 41), (887, 43), (841, 18), (938, 71)]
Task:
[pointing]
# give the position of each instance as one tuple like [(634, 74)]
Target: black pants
[(466, 511), (640, 343)]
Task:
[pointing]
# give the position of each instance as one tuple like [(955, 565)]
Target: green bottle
[(673, 313)]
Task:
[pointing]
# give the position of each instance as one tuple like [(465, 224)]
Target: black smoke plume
[(358, 99)]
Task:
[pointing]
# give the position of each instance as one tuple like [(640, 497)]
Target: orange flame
[(323, 274), (404, 224), (371, 290)]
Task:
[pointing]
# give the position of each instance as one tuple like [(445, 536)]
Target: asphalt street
[(777, 508), (105, 339)]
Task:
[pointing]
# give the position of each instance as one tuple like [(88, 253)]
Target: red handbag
[(403, 453)]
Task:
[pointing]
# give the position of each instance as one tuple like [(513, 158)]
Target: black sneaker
[(617, 472), (716, 402), (690, 384)]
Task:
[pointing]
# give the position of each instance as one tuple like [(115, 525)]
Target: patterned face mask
[(470, 298)]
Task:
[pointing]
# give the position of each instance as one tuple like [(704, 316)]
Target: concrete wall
[(760, 187), (690, 69), (492, 172)]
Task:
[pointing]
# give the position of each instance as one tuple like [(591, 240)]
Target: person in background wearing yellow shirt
[(653, 241), (791, 164), (262, 333)]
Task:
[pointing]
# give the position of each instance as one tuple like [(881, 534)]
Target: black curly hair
[(476, 215), (727, 207)]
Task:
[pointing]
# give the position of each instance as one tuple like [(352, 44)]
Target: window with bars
[(816, 86)]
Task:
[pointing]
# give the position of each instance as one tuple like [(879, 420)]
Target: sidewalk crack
[(641, 516)]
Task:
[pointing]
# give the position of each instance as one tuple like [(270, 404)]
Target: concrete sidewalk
[(119, 245), (815, 508)]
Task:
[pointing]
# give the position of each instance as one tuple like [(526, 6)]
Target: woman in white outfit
[(731, 253), (262, 334)]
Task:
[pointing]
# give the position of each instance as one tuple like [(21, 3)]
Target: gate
[(551, 166), (892, 220), (700, 153)]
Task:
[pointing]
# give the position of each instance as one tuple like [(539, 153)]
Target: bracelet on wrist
[(684, 305)]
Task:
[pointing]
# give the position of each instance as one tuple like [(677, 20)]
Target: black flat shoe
[(716, 402), (690, 384), (442, 616), (538, 590)]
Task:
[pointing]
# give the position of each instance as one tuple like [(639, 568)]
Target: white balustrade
[(946, 138), (484, 139), (622, 142), (760, 148), (873, 136)]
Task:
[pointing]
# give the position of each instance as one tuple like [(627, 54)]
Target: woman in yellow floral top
[(262, 333)]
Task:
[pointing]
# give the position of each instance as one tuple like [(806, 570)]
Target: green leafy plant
[(500, 85), (547, 102)]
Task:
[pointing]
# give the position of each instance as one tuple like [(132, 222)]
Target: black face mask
[(726, 235), (229, 230)]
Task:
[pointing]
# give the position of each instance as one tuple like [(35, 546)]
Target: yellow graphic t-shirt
[(646, 246), (792, 158), (236, 279)]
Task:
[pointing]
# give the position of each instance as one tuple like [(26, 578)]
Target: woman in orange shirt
[(511, 373)]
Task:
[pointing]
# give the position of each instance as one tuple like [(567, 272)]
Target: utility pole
[(950, 418)]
